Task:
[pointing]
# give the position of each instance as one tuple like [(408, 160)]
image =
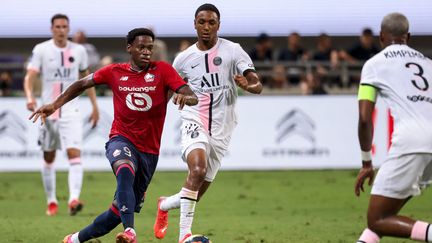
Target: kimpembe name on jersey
[(403, 53)]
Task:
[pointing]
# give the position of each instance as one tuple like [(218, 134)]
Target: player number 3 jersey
[(403, 77)]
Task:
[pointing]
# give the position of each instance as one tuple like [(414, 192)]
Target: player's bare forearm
[(365, 124), (249, 83), (189, 96), (29, 80)]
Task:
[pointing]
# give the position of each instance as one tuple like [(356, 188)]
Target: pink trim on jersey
[(56, 91), (66, 55), (211, 55), (74, 161), (127, 166), (204, 108)]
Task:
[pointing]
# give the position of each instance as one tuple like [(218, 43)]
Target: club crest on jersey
[(149, 77), (217, 61)]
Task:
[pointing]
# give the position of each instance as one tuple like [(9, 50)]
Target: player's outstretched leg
[(161, 223), (102, 225)]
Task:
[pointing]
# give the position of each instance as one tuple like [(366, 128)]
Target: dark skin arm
[(71, 92), (365, 135), (250, 82), (185, 96)]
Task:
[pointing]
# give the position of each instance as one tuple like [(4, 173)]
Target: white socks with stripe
[(49, 181), (75, 178), (188, 200)]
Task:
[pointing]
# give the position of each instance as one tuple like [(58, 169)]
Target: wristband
[(366, 155)]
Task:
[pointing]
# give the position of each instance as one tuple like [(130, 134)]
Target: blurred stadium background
[(305, 119)]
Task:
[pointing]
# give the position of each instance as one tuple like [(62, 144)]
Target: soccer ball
[(197, 239)]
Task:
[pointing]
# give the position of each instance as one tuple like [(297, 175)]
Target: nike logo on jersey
[(194, 66), (124, 78)]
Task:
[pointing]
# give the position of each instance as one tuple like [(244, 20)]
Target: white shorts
[(193, 137), (403, 176), (62, 133)]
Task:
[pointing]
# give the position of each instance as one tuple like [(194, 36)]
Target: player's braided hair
[(138, 32)]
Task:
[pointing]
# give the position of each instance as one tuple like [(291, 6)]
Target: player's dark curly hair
[(59, 16), (207, 7), (138, 32)]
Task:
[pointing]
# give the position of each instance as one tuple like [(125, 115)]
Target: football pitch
[(240, 206)]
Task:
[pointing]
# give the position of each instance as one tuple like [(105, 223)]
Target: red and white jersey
[(58, 68), (403, 78), (210, 74), (140, 101)]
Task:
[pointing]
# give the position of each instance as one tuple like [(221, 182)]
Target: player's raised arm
[(185, 96), (71, 92)]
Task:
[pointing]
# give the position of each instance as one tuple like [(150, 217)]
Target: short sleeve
[(171, 78), (84, 59), (368, 75), (242, 60), (35, 62), (102, 76)]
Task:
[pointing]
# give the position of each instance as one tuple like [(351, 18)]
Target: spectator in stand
[(311, 84), (5, 83), (361, 51), (326, 53), (294, 51), (263, 49), (92, 53), (279, 78)]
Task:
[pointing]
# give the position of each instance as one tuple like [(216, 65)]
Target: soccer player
[(213, 67), (140, 92), (60, 62), (400, 75)]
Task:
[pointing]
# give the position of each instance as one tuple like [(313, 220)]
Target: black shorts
[(120, 148)]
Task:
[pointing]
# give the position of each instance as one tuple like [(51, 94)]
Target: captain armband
[(367, 92)]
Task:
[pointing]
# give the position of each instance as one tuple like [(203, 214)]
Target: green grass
[(249, 207)]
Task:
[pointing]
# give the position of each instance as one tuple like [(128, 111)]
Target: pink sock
[(419, 231), (368, 236)]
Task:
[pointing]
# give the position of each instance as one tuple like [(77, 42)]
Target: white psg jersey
[(403, 77), (210, 74), (58, 68)]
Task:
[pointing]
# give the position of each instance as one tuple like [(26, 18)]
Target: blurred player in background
[(60, 62), (213, 67), (140, 92), (400, 75)]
